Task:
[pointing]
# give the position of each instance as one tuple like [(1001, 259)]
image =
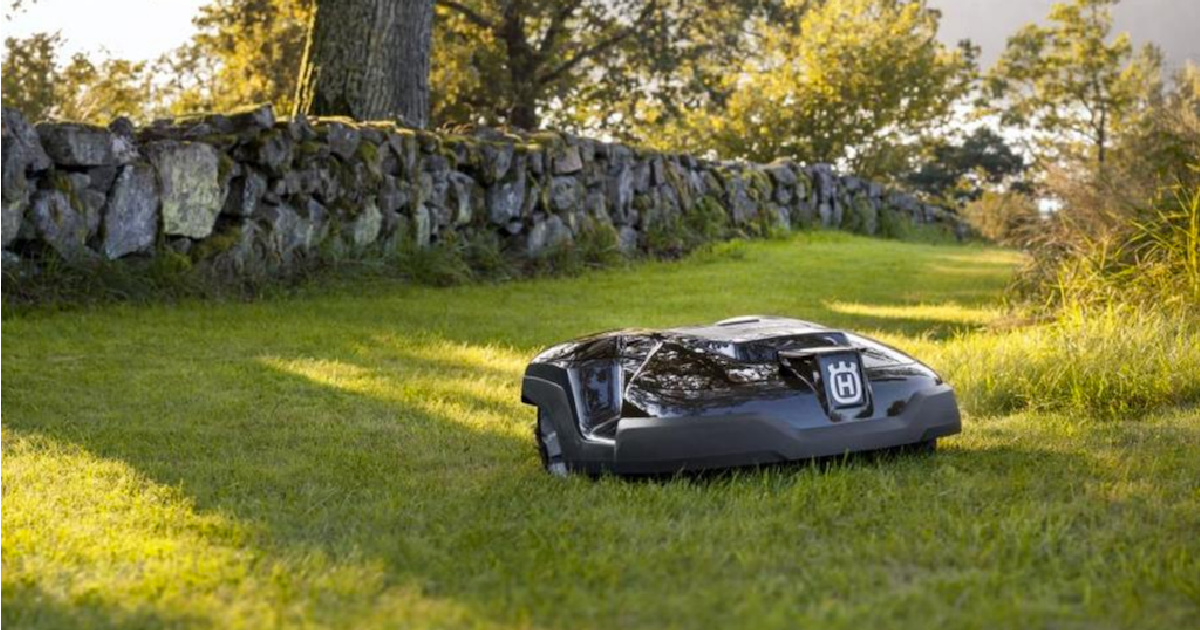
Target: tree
[(368, 59), (962, 170), (585, 64), (82, 90), (854, 80), (244, 51), (30, 74), (1067, 82)]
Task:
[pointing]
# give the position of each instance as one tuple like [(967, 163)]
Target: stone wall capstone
[(248, 190)]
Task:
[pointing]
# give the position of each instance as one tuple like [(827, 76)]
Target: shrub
[(1005, 218)]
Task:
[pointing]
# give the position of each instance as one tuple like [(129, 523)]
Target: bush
[(1148, 257), (1005, 218)]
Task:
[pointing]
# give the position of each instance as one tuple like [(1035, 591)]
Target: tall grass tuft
[(1116, 362)]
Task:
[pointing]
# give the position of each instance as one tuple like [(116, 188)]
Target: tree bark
[(368, 59)]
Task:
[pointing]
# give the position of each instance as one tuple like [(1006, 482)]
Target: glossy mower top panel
[(791, 369)]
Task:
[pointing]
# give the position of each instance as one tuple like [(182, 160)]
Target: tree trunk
[(523, 63), (368, 59)]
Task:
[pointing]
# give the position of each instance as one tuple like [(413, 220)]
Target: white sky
[(144, 29), (131, 29)]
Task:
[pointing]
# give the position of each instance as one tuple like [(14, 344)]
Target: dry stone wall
[(250, 191)]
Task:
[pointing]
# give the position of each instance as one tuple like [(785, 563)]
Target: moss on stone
[(225, 166), (759, 184), (311, 148), (61, 182), (217, 243), (545, 139)]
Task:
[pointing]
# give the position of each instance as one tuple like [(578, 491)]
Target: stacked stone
[(247, 190)]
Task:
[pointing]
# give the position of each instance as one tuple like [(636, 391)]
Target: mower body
[(741, 392)]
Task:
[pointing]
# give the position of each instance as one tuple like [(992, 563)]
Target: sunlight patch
[(480, 400), (134, 552), (949, 312)]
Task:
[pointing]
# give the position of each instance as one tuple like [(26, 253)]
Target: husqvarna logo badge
[(845, 384)]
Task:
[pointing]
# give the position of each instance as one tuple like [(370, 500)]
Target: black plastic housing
[(743, 391)]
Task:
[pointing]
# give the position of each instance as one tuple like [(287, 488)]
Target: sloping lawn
[(357, 457)]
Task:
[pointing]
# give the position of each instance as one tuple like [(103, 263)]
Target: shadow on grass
[(375, 431), (462, 512), (28, 606)]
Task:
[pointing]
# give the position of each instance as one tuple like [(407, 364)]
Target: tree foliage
[(962, 170), (585, 64), (39, 87), (1072, 82), (855, 80), (244, 51)]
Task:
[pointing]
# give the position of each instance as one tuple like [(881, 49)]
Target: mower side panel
[(549, 392)]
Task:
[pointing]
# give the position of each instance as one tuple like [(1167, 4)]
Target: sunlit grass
[(357, 457)]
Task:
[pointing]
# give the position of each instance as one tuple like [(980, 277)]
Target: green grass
[(357, 457)]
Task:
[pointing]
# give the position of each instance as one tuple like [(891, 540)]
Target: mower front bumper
[(687, 443), (663, 445)]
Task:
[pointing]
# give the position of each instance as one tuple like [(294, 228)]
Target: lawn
[(356, 456)]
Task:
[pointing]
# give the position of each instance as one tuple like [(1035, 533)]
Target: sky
[(144, 29)]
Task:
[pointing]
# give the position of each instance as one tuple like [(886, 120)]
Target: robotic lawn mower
[(741, 392)]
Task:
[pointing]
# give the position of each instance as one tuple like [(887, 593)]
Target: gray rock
[(121, 126), (504, 201), (245, 193), (365, 227), (300, 129), (533, 200), (565, 194), (620, 192), (535, 240), (536, 160), (497, 157), (568, 162), (781, 173), (64, 227), (13, 215), (742, 208), (102, 177), (77, 144), (123, 149), (286, 231), (15, 185), (131, 214), (658, 172), (458, 197), (188, 175), (254, 117), (627, 240), (343, 140), (272, 151), (404, 147), (25, 141), (596, 206), (641, 177), (393, 195), (422, 226), (244, 252), (557, 232), (547, 234)]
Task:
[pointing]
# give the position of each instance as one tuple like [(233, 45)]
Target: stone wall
[(248, 190)]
